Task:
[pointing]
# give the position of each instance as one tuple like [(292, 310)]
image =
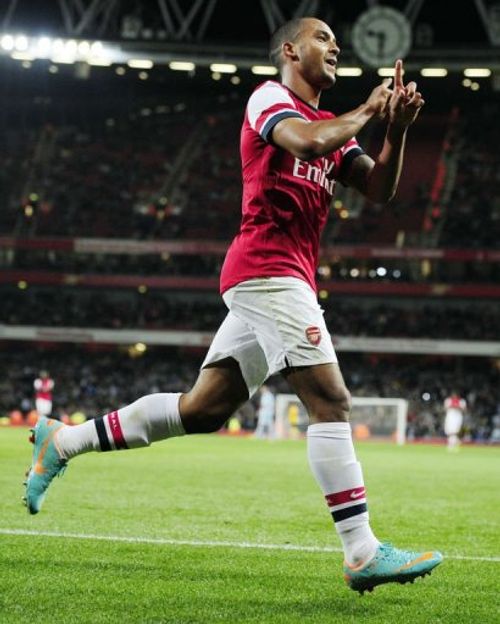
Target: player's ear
[(289, 51)]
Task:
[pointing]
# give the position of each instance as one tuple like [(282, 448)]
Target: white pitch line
[(168, 541), (208, 543)]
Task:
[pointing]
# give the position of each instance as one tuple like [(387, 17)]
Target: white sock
[(149, 419), (333, 463)]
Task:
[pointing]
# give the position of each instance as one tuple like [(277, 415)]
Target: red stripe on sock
[(116, 431), (346, 496)]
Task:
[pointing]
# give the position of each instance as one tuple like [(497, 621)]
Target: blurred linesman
[(266, 413), (292, 155), (44, 387)]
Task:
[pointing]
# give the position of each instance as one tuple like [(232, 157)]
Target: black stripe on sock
[(102, 434), (348, 512)]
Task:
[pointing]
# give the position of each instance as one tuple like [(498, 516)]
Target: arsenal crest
[(313, 334)]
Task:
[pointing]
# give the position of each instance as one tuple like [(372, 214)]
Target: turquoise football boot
[(46, 463), (390, 565)]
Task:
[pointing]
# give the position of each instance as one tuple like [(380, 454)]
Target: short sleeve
[(349, 152), (269, 104)]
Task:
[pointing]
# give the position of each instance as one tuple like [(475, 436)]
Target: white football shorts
[(43, 407), (453, 422), (273, 323)]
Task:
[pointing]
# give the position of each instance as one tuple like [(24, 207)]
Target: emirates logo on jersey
[(313, 334), (321, 174)]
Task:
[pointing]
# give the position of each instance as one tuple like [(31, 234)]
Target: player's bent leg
[(218, 392), (150, 418)]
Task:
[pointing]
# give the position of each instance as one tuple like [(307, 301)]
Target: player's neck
[(302, 89)]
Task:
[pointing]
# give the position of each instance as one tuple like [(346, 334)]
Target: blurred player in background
[(292, 153), (454, 408), (265, 413), (44, 386)]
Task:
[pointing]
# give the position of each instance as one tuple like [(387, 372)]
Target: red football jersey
[(455, 402), (44, 388), (286, 200)]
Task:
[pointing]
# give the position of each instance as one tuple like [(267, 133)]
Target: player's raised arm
[(378, 180), (311, 139)]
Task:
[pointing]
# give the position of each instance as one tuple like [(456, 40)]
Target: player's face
[(318, 52)]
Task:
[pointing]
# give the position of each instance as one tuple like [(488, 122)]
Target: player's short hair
[(289, 31)]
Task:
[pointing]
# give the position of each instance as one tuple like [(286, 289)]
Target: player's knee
[(204, 423), (199, 418), (334, 406)]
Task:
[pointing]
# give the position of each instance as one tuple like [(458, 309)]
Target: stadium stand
[(463, 320), (92, 379), (471, 216), (118, 210)]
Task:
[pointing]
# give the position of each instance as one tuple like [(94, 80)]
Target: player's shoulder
[(270, 85), (269, 101), (270, 92)]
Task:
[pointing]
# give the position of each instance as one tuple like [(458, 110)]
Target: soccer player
[(44, 386), (292, 155), (265, 413), (454, 407)]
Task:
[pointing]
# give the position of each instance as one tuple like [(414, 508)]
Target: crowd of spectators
[(172, 172), (209, 264), (108, 178), (112, 264), (472, 215), (91, 383), (417, 318), (103, 181), (16, 153), (110, 310), (118, 177)]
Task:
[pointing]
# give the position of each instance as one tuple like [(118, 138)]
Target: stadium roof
[(456, 34)]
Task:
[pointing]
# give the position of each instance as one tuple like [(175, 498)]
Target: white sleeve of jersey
[(38, 384), (268, 96)]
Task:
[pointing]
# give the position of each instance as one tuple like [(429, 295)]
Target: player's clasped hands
[(399, 105)]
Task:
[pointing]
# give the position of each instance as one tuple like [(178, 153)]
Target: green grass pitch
[(196, 512)]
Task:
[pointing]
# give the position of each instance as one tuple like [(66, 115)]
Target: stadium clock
[(381, 35)]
